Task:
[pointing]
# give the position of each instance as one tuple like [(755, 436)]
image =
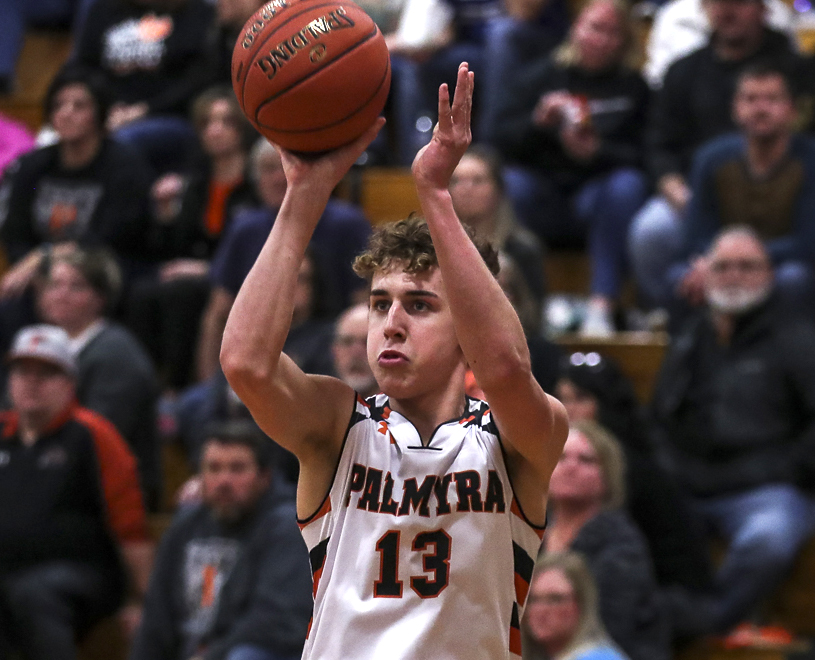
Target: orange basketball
[(311, 75)]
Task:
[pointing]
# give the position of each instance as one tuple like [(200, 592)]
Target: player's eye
[(380, 305), (421, 306)]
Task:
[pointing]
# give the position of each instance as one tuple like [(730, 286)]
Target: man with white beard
[(735, 407)]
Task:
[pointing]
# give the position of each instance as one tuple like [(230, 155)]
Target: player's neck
[(428, 411)]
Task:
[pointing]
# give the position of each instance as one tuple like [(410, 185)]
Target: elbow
[(509, 368), (241, 369)]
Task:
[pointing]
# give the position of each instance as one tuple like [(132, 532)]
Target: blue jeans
[(765, 528), (166, 142), (252, 652), (600, 211), (656, 247)]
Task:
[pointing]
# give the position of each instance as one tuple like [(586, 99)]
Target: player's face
[(578, 476), (231, 480), (412, 345), (552, 612), (73, 114)]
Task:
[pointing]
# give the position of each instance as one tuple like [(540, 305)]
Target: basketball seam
[(313, 73), (339, 121)]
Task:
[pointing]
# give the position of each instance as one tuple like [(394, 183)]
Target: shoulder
[(33, 163), (684, 69), (611, 530), (720, 148), (249, 223)]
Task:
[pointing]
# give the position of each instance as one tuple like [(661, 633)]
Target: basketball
[(311, 75)]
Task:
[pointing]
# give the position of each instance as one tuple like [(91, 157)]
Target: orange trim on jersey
[(521, 589), (363, 402), (322, 511), (514, 640), (120, 481)]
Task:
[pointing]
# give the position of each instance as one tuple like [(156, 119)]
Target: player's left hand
[(434, 164)]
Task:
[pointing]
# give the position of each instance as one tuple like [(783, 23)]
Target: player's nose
[(395, 321)]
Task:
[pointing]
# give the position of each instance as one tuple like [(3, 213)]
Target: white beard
[(736, 300)]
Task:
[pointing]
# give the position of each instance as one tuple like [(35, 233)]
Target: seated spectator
[(586, 495), (350, 351), (735, 405), (695, 105), (156, 55), (572, 129), (594, 388), (15, 140), (232, 578), (762, 177), (309, 344), (561, 620), (477, 189), (191, 211), (682, 26), (115, 377), (86, 188), (70, 507), (340, 235)]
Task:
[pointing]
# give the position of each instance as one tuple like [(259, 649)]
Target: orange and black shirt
[(72, 495)]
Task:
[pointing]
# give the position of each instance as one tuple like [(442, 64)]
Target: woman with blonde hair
[(572, 127), (586, 496), (561, 620)]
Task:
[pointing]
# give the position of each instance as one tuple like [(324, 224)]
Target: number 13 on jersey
[(435, 548)]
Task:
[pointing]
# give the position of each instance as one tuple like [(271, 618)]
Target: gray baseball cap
[(47, 343)]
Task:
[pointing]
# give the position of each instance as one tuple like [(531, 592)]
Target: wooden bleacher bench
[(44, 52)]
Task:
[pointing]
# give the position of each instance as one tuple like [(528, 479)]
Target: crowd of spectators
[(128, 236)]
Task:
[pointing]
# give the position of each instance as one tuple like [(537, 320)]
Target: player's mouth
[(390, 358)]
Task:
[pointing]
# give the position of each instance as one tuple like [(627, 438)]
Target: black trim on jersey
[(517, 501), (317, 555), (353, 420), (377, 415), (524, 564), (515, 621)]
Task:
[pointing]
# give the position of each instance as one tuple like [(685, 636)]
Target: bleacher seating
[(388, 194)]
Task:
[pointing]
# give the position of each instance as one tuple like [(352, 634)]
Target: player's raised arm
[(533, 424), (279, 395)]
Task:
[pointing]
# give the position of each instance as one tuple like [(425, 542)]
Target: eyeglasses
[(350, 340), (741, 265)]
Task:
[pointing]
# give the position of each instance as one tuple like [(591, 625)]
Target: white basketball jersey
[(419, 552)]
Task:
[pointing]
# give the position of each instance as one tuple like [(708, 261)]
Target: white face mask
[(736, 300)]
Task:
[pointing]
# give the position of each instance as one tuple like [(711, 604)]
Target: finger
[(460, 96), (445, 119), (469, 106)]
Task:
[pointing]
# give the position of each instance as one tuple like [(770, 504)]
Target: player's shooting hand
[(434, 164), (321, 174)]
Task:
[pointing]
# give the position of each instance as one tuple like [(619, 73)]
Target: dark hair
[(242, 432), (761, 70), (202, 106), (408, 241), (93, 81), (99, 268), (618, 408)]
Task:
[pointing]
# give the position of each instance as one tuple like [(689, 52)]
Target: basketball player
[(422, 509)]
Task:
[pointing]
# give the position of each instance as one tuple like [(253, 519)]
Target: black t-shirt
[(105, 202)]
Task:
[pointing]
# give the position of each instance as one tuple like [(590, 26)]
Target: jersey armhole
[(516, 502), (351, 421)]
